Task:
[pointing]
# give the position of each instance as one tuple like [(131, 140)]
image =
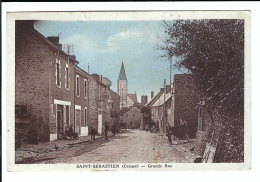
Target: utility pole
[(164, 108), (171, 71)]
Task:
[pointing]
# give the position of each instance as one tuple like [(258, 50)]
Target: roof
[(154, 99), (160, 100), (122, 75), (80, 70), (132, 109), (133, 97)]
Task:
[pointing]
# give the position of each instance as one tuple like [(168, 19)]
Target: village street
[(130, 146)]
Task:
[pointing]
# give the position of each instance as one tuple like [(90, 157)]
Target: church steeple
[(122, 75), (122, 87)]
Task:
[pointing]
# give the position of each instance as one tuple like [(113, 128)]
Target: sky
[(104, 45)]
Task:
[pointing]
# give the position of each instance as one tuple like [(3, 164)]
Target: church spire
[(122, 75)]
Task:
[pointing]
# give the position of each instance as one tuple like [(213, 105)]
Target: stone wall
[(93, 100), (31, 74), (186, 100), (35, 79)]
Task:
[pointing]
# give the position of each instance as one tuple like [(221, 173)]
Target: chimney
[(72, 57), (24, 26), (168, 88), (144, 99), (96, 76), (54, 40), (152, 94), (161, 89), (101, 78)]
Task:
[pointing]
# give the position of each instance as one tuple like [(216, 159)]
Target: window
[(85, 116), (133, 115), (126, 115), (77, 85), (58, 73), (85, 88), (67, 77)]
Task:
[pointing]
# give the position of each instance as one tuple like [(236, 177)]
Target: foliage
[(213, 51), (115, 113)]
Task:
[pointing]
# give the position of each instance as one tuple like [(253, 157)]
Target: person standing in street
[(93, 131), (114, 129), (106, 130)]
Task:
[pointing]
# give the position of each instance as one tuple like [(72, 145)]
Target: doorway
[(60, 123), (78, 121), (100, 122)]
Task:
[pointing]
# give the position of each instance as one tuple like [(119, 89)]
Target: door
[(59, 124), (78, 121), (100, 122)]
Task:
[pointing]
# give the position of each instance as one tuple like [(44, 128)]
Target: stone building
[(184, 103), (104, 100), (44, 80), (53, 90), (133, 118)]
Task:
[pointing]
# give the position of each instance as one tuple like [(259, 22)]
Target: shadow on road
[(72, 151)]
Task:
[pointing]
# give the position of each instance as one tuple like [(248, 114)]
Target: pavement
[(131, 146)]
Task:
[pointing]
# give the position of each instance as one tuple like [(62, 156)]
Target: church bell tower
[(122, 87)]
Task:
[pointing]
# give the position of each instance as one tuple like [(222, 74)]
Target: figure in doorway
[(93, 130), (106, 130)]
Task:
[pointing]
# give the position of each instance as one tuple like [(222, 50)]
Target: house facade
[(44, 80), (53, 90), (160, 108), (82, 80), (133, 118)]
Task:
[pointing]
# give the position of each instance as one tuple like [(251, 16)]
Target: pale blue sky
[(105, 44)]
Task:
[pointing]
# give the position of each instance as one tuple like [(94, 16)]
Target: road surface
[(134, 146)]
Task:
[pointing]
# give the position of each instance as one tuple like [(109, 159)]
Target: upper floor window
[(67, 79), (58, 73), (85, 88), (77, 85)]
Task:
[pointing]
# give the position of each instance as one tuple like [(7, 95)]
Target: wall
[(81, 100), (31, 74), (135, 116), (186, 100), (93, 100), (35, 64)]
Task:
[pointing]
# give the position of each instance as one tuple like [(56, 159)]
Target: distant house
[(184, 103), (160, 108), (133, 118), (103, 101)]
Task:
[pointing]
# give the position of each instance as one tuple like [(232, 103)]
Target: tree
[(213, 51)]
